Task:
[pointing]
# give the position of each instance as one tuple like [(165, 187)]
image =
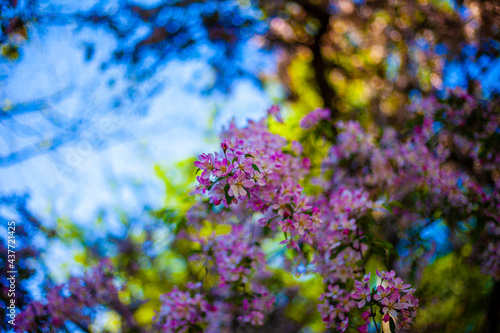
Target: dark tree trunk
[(493, 315)]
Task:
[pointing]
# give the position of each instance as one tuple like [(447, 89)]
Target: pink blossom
[(363, 294), (258, 178), (302, 223), (286, 225), (275, 111), (314, 117), (205, 163), (222, 168), (244, 164), (238, 185), (290, 243)]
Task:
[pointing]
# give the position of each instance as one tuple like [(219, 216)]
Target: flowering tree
[(337, 221), (351, 211)]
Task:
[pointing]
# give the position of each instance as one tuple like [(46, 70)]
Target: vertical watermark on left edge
[(11, 272)]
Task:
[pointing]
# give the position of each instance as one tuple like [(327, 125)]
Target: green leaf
[(369, 238), (180, 225), (388, 208), (394, 252), (248, 155), (392, 325), (339, 249), (248, 194), (384, 244), (197, 170), (226, 193), (255, 168), (396, 203), (379, 250), (273, 218)]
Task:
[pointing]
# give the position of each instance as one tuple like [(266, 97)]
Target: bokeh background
[(105, 104)]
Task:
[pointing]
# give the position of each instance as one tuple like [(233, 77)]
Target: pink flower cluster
[(351, 140), (234, 256), (253, 169), (314, 117), (338, 245), (491, 260), (328, 222), (275, 111), (335, 306), (340, 251), (235, 175), (183, 311), (69, 302), (255, 310), (448, 157), (238, 263), (394, 166), (491, 255), (393, 296)]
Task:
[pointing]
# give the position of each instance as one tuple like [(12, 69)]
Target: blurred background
[(105, 104)]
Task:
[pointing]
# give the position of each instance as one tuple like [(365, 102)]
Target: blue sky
[(80, 178)]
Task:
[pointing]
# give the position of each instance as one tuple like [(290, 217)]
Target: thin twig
[(374, 321)]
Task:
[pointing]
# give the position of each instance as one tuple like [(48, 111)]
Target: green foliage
[(454, 293), (177, 179)]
